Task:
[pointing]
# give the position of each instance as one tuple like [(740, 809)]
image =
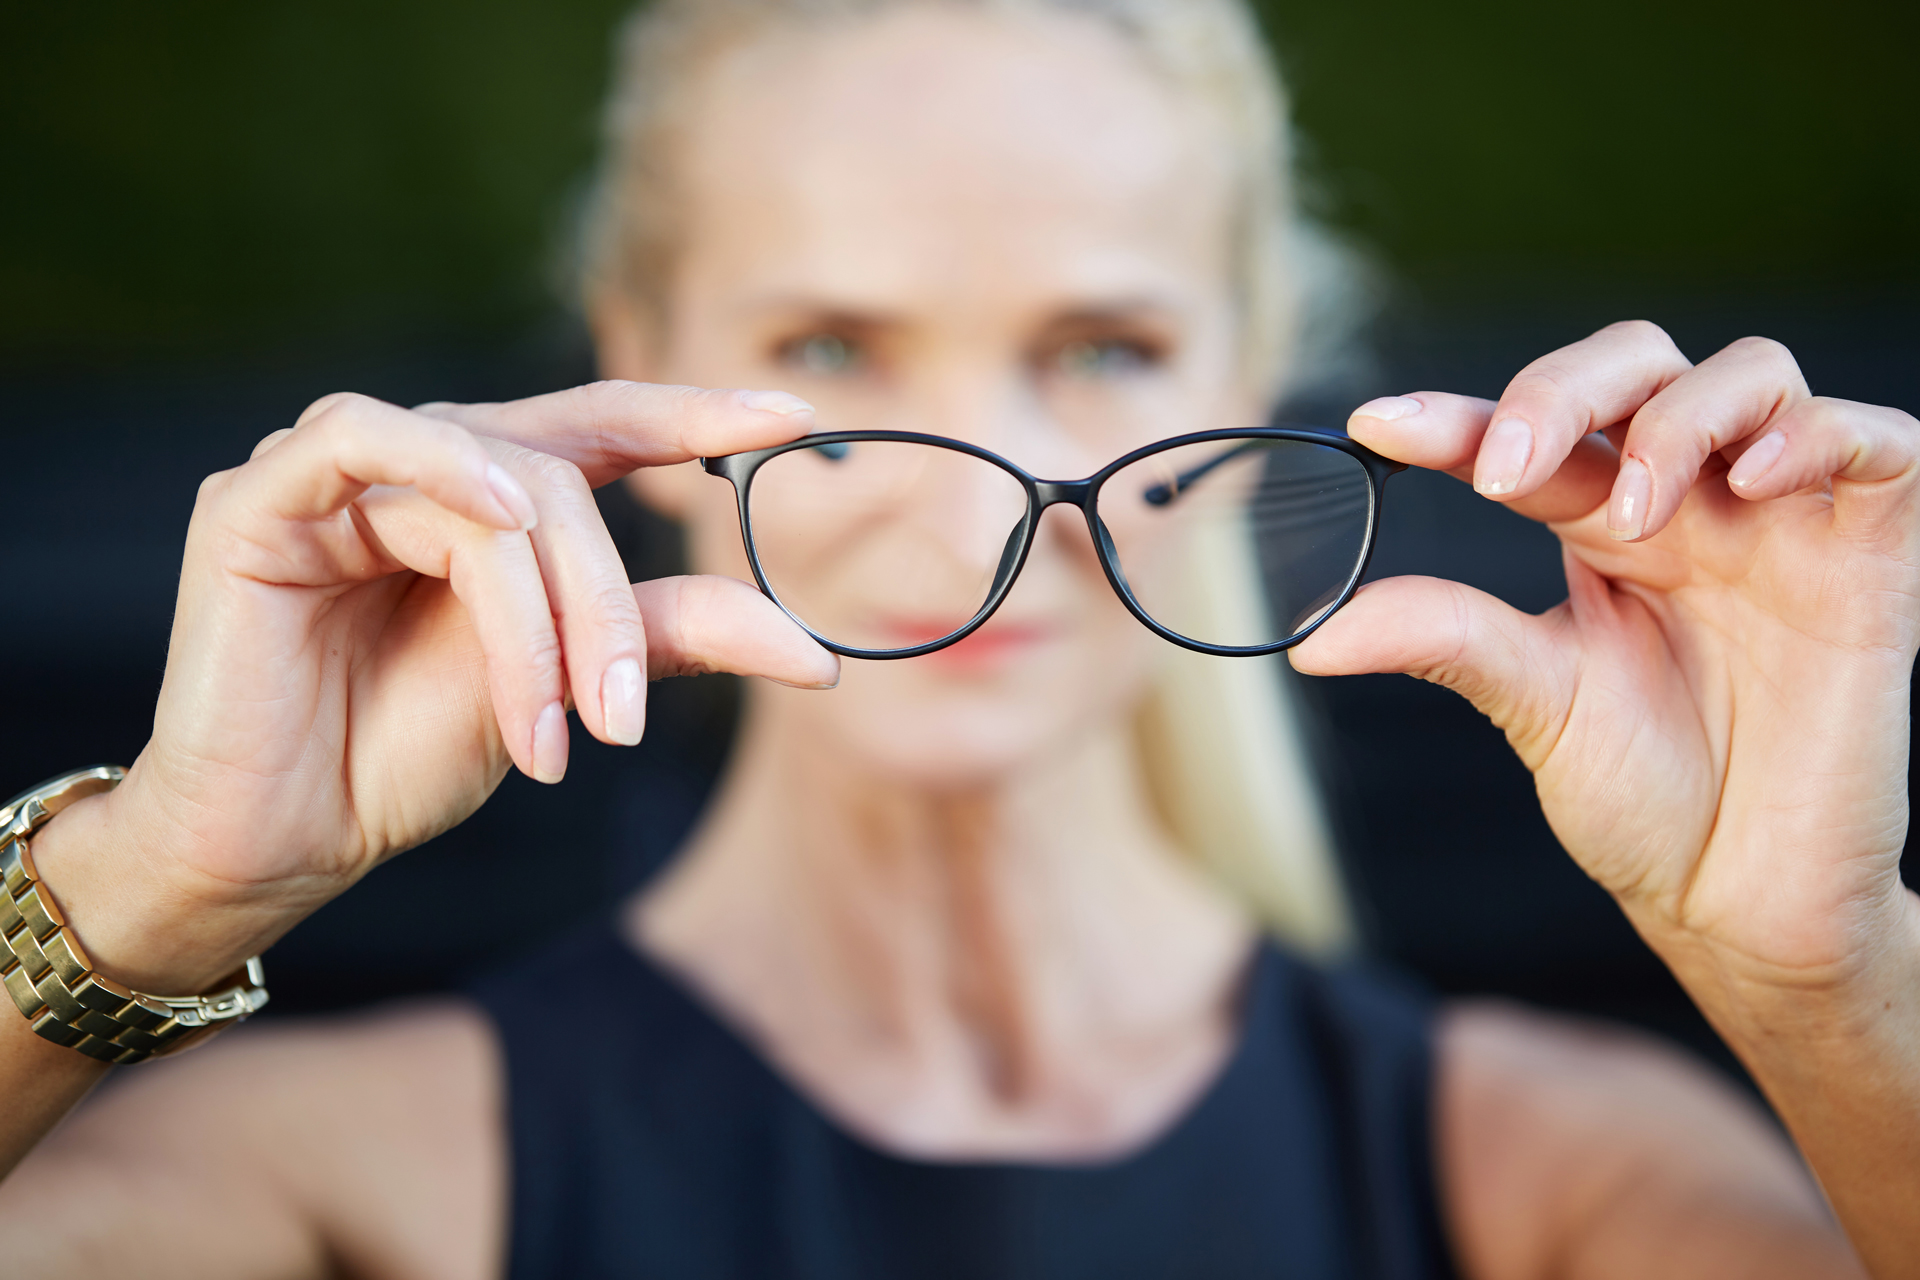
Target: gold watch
[(50, 976)]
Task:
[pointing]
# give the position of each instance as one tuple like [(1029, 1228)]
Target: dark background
[(215, 212)]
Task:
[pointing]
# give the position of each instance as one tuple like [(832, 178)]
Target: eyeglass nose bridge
[(1046, 493), (1013, 557), (1051, 493)]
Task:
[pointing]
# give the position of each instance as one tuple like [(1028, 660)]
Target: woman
[(933, 990)]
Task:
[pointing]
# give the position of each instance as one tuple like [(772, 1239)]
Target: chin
[(941, 743), (964, 723)]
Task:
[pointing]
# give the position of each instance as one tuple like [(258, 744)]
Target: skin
[(989, 948)]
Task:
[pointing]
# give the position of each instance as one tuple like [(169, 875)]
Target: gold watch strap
[(50, 976)]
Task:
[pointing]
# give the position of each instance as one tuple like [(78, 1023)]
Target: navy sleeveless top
[(648, 1140)]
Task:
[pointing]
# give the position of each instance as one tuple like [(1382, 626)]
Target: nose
[(978, 510), (979, 513), (967, 505), (997, 405)]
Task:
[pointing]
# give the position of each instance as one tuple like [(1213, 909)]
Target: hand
[(377, 613), (1716, 719)]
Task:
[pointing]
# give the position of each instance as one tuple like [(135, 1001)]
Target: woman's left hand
[(1717, 718)]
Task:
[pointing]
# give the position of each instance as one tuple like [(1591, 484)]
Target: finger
[(497, 578), (344, 444), (1860, 448), (1567, 395), (1502, 660), (602, 637), (703, 624), (1429, 429), (1443, 432), (608, 429), (1731, 395), (499, 581)]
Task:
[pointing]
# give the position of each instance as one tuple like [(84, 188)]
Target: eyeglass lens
[(883, 544), (1238, 542), (892, 544)]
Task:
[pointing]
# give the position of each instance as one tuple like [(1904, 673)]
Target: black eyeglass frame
[(740, 469)]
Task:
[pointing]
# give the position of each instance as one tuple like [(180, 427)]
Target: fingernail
[(1632, 491), (623, 702), (512, 498), (1504, 454), (829, 676), (550, 744), (1757, 460), (1389, 408), (775, 402)]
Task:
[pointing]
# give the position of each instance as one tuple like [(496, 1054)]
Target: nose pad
[(1110, 554), (1009, 557)]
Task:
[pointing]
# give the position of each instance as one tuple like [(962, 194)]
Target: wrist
[(1767, 1012), (143, 923)]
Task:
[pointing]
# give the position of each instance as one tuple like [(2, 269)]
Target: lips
[(993, 645)]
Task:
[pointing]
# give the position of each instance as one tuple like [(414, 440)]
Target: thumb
[(1509, 664), (702, 624)]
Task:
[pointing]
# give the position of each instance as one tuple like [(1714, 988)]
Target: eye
[(823, 354), (1106, 358)]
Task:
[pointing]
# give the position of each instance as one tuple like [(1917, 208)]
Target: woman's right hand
[(377, 613)]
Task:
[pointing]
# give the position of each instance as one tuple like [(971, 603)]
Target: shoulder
[(426, 1068), (374, 1138), (1511, 1063), (385, 1052), (1563, 1139)]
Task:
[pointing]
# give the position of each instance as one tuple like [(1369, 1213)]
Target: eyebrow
[(856, 316), (1134, 308)]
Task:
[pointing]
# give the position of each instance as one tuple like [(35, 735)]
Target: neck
[(1020, 967)]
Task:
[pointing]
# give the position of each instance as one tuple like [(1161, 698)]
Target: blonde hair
[(1220, 741)]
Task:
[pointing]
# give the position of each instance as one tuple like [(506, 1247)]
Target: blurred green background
[(208, 176)]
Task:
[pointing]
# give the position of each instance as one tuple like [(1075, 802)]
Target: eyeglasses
[(892, 544)]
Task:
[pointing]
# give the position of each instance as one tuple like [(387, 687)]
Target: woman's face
[(1005, 230)]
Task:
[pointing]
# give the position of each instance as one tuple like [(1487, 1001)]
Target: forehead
[(953, 151)]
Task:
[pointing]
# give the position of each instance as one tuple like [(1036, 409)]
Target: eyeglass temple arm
[(1162, 494)]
